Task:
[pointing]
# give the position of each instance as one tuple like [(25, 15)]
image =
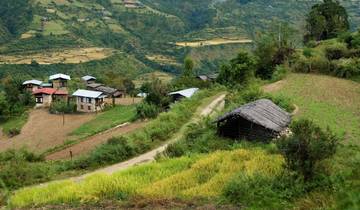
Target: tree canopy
[(326, 20)]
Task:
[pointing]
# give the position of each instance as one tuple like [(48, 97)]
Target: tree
[(158, 94), (274, 48), (306, 147), (188, 67), (325, 21), (4, 107), (239, 72)]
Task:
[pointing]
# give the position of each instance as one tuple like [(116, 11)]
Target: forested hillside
[(148, 30), (15, 16)]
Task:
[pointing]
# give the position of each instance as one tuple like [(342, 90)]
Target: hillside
[(146, 29), (207, 171)]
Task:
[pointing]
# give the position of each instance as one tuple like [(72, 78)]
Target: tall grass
[(185, 177)]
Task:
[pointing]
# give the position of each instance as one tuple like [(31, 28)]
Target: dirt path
[(93, 141), (44, 131), (216, 105), (273, 86)]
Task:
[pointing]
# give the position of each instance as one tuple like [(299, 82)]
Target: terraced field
[(69, 56)]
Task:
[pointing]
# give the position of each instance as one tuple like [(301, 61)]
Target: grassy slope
[(328, 101), (15, 123), (106, 120)]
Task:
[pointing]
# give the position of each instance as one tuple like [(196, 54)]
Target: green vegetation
[(326, 20), (308, 146), (154, 134), (19, 172), (103, 121), (13, 126), (14, 101), (327, 101), (186, 177), (15, 16)]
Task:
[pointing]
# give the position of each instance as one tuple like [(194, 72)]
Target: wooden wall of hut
[(242, 129)]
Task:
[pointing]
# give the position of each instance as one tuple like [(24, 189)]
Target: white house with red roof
[(45, 96)]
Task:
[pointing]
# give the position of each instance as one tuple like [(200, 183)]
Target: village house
[(60, 81), (88, 79), (108, 91), (187, 93), (89, 101), (45, 96), (32, 85), (259, 120)]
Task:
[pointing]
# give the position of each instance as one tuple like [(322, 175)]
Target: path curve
[(216, 105)]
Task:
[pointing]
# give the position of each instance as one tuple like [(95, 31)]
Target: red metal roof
[(50, 91)]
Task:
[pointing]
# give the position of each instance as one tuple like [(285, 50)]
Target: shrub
[(116, 149), (335, 52), (61, 106), (307, 147), (20, 155), (346, 68), (146, 110), (279, 73), (14, 132)]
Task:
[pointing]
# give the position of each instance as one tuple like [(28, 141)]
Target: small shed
[(88, 79), (93, 86), (111, 92), (32, 85), (89, 101), (59, 81), (259, 120), (187, 93)]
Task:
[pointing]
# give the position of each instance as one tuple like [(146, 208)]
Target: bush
[(61, 106), (115, 150), (335, 52), (147, 110), (346, 68), (307, 147), (279, 73), (14, 132), (20, 155)]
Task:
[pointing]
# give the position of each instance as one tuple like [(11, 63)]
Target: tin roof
[(186, 93), (87, 78), (33, 81), (59, 76), (88, 94)]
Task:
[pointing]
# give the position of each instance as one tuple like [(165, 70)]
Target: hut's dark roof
[(262, 112), (94, 85)]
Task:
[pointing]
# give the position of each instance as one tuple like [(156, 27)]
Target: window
[(81, 99), (39, 100), (88, 100), (81, 106), (89, 108)]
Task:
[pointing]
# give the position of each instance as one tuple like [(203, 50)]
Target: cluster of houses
[(90, 100)]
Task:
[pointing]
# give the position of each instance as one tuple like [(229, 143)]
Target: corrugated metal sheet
[(186, 93), (88, 94), (60, 76)]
